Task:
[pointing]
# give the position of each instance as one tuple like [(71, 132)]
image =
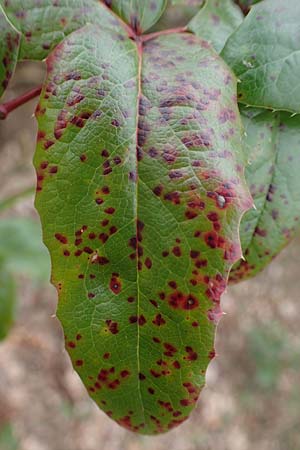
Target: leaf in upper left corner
[(9, 48), (272, 144), (216, 21)]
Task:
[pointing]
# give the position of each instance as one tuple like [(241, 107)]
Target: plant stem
[(9, 106)]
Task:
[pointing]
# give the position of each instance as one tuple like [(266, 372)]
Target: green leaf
[(8, 51), (7, 301), (22, 250), (264, 53), (140, 15), (216, 21), (272, 144), (140, 192), (45, 24), (177, 14)]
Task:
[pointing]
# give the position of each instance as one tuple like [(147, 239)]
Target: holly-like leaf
[(44, 24), (7, 301), (216, 21), (264, 53), (272, 144), (140, 15), (8, 51), (140, 192)]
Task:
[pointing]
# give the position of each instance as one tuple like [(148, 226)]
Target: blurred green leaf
[(7, 302), (22, 250), (7, 438)]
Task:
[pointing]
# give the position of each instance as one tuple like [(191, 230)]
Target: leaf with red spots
[(264, 53), (141, 213), (8, 51), (272, 145), (216, 21), (43, 25), (140, 15), (7, 301)]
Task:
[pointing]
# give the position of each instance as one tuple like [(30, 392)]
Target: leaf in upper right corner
[(273, 149), (7, 301), (264, 52), (9, 49), (216, 21)]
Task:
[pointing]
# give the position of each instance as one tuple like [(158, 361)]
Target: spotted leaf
[(264, 52), (216, 21), (272, 144), (140, 190), (139, 15), (43, 25), (8, 51)]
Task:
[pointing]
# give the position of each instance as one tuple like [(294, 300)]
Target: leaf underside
[(264, 53), (272, 144)]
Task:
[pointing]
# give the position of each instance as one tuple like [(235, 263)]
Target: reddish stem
[(245, 9), (148, 37), (9, 106)]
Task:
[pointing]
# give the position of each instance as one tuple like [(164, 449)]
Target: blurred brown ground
[(252, 398)]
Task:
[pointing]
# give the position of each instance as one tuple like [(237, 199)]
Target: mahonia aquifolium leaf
[(216, 21), (272, 144), (7, 301), (264, 53), (140, 190), (9, 49)]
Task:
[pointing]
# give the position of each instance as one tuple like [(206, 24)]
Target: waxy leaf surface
[(140, 15), (9, 48), (140, 190), (264, 53), (272, 145), (216, 21)]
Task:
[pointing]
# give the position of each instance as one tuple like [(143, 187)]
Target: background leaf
[(177, 14), (7, 301), (216, 21), (140, 191), (264, 53), (8, 51), (22, 250), (272, 144), (140, 15)]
